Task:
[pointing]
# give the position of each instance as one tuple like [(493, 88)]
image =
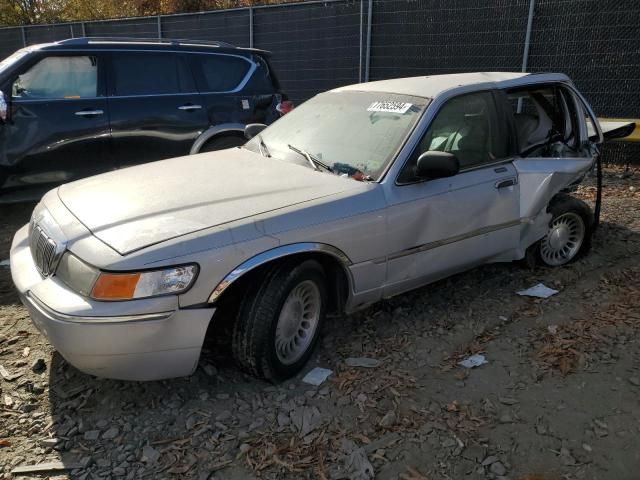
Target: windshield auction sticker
[(390, 107)]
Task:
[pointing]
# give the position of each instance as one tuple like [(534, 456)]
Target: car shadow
[(12, 217)]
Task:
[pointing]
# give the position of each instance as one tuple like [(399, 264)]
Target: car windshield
[(10, 60), (356, 134)]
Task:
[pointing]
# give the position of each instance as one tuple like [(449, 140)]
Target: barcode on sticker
[(391, 107)]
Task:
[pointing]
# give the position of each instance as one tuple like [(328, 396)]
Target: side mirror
[(434, 164), (253, 129), (4, 107)]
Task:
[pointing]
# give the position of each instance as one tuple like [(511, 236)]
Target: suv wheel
[(569, 234), (279, 321), (220, 143)]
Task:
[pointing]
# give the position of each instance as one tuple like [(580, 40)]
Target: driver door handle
[(89, 113), (506, 182), (189, 107)]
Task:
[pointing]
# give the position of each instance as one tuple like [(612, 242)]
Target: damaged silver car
[(361, 193)]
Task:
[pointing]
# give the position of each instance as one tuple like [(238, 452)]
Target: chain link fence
[(318, 45)]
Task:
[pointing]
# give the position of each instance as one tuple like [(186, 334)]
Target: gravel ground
[(558, 399)]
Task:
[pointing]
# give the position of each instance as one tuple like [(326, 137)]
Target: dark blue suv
[(83, 106)]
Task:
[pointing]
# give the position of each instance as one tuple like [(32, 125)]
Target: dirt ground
[(558, 399)]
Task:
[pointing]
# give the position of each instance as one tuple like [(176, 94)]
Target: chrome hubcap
[(564, 239), (298, 322)]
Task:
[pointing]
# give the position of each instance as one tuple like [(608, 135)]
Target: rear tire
[(569, 235), (279, 321), (221, 143)]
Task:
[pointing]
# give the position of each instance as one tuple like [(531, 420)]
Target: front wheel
[(569, 234), (221, 143), (279, 321)]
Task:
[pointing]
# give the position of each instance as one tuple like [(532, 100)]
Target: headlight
[(91, 282), (77, 274), (127, 286)]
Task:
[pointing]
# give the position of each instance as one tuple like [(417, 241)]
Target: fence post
[(159, 28), (527, 37), (24, 36), (84, 31), (71, 30), (250, 27), (361, 40), (368, 57)]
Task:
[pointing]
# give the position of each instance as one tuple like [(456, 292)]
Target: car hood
[(136, 207)]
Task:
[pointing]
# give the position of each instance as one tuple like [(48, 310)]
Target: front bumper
[(147, 339)]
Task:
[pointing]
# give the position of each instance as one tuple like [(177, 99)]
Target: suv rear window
[(150, 73), (222, 73)]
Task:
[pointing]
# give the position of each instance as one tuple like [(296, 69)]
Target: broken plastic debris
[(473, 361), (362, 362), (4, 263), (317, 376), (539, 291)]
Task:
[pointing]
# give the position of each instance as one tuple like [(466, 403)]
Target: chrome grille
[(43, 250)]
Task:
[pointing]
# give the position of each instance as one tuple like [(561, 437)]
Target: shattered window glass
[(541, 117)]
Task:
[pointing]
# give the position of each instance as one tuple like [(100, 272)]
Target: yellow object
[(635, 135)]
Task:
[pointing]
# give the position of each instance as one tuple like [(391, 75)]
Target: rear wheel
[(569, 234), (228, 141), (279, 321)]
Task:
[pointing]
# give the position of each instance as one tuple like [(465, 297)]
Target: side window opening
[(222, 73), (150, 73), (69, 77), (262, 79), (467, 126), (545, 120)]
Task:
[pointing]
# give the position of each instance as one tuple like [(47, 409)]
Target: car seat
[(532, 129)]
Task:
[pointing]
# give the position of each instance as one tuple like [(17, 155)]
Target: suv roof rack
[(156, 41)]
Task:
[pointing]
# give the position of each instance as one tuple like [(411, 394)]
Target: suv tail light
[(284, 107)]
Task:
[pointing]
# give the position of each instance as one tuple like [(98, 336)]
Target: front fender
[(278, 253), (215, 131)]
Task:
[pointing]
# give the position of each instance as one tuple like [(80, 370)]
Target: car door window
[(545, 120), (68, 77), (222, 73), (467, 126), (150, 73)]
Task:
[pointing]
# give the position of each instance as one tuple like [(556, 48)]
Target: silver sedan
[(359, 194)]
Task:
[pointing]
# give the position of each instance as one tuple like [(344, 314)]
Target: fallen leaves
[(294, 454), (412, 474), (564, 348)]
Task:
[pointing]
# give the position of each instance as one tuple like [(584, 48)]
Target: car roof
[(433, 85), (118, 43)]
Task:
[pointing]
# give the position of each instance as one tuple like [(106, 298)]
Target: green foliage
[(29, 12)]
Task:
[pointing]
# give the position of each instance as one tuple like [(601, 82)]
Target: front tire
[(221, 143), (570, 230), (279, 321)]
